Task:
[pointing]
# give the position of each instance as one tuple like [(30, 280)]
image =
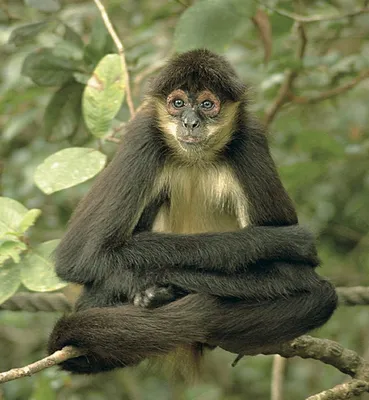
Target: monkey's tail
[(252, 328), (125, 335)]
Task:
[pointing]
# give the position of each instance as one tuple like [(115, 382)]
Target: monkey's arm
[(259, 281), (223, 252), (108, 233), (119, 203)]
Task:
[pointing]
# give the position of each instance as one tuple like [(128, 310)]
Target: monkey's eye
[(178, 103), (207, 105)]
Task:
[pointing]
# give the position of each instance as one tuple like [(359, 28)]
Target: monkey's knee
[(323, 301)]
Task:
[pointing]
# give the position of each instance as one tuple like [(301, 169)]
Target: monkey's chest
[(210, 201)]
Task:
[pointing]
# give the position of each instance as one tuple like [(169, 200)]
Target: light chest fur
[(202, 199)]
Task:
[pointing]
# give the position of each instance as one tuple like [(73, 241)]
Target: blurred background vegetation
[(307, 82)]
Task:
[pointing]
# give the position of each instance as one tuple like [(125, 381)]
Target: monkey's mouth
[(191, 140)]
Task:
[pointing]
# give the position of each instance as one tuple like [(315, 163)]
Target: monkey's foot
[(154, 296)]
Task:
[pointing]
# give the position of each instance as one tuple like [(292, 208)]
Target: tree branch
[(278, 372), (315, 18), (120, 48), (326, 351), (343, 392), (56, 358), (330, 93), (284, 93)]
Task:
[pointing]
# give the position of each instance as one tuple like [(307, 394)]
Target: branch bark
[(330, 93), (278, 374), (284, 93), (316, 18), (119, 46), (56, 358), (343, 392)]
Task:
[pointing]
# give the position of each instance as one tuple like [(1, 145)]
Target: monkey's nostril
[(192, 124), (195, 124)]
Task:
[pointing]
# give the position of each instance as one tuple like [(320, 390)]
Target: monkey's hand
[(156, 296)]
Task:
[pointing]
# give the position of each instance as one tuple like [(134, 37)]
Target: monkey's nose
[(191, 123)]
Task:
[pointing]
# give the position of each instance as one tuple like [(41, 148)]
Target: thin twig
[(120, 48), (330, 93), (146, 72), (56, 358), (113, 139), (278, 373), (284, 93), (282, 97), (315, 18)]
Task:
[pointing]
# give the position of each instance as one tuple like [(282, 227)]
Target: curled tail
[(125, 335)]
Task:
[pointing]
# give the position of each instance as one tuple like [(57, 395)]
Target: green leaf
[(9, 281), (29, 219), (100, 43), (73, 37), (11, 249), (44, 5), (27, 32), (46, 69), (37, 269), (12, 214), (104, 94), (211, 24), (80, 77), (68, 168), (63, 113)]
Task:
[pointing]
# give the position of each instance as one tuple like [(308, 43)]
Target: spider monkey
[(188, 238)]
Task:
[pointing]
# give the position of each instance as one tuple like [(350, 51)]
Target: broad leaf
[(29, 219), (63, 113), (211, 24), (44, 5), (100, 43), (73, 37), (37, 269), (46, 69), (11, 249), (12, 214), (103, 95), (27, 32), (68, 168), (9, 281)]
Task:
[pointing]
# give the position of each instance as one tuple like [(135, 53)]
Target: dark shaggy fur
[(243, 290)]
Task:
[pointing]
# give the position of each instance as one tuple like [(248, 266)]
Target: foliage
[(62, 107)]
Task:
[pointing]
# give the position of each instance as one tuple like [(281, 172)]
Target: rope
[(24, 301), (353, 296)]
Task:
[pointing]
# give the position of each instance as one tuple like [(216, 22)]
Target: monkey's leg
[(156, 296), (126, 335), (242, 327), (115, 337)]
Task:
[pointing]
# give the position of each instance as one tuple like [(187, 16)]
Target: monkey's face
[(192, 115), (196, 124)]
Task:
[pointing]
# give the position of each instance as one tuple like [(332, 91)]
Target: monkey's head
[(198, 95)]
